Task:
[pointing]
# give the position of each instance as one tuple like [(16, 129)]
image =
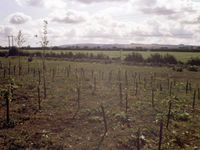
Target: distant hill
[(124, 46)]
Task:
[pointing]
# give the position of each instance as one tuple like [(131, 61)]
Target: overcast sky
[(102, 21)]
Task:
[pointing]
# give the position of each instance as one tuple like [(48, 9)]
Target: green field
[(135, 101)]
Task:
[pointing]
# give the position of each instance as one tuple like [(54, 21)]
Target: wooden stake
[(169, 113), (152, 98), (120, 92), (4, 72), (14, 69), (186, 87), (126, 100), (126, 78), (78, 99), (6, 96), (138, 139), (39, 98), (194, 97), (160, 135), (136, 90), (104, 119), (9, 68), (170, 90), (39, 80)]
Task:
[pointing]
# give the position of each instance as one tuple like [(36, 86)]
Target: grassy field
[(92, 106), (180, 56)]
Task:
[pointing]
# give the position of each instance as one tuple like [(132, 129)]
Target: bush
[(30, 59), (194, 61), (192, 68), (3, 54), (13, 51), (135, 57), (178, 69), (155, 58), (158, 58), (101, 56), (170, 59), (70, 55), (183, 116)]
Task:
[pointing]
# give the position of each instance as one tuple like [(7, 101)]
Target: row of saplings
[(8, 94)]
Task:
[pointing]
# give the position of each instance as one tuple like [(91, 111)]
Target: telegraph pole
[(12, 40), (9, 41)]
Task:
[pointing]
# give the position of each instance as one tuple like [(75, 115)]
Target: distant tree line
[(98, 48)]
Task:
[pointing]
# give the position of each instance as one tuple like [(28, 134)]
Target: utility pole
[(12, 40), (9, 41)]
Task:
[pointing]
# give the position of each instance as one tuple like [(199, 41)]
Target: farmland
[(93, 105)]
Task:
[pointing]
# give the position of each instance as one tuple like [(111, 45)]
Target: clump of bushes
[(194, 61), (154, 58), (30, 58), (3, 54), (135, 57), (193, 68), (13, 51), (170, 59), (158, 58), (177, 69)]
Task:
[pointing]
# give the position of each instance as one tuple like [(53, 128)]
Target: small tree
[(44, 43), (20, 41)]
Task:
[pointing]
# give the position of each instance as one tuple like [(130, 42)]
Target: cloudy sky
[(102, 21)]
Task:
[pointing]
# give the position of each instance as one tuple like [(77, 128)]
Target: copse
[(134, 57), (170, 59), (154, 58), (13, 51), (194, 61)]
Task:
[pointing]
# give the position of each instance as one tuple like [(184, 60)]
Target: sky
[(102, 21)]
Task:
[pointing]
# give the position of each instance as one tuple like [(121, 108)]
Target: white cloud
[(55, 4), (6, 30), (181, 32), (100, 1), (166, 8), (158, 11), (18, 18), (110, 21), (68, 17), (33, 3), (144, 3), (43, 3)]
